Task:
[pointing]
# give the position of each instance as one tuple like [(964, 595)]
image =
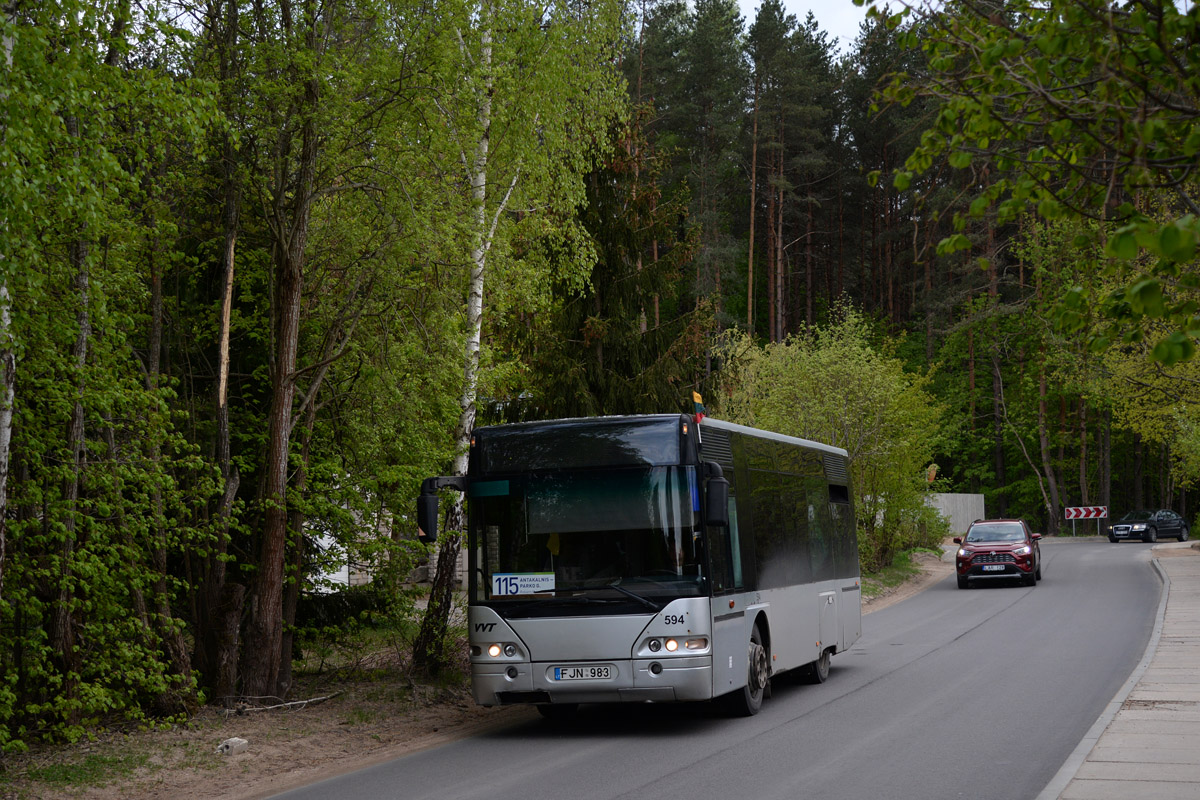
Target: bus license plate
[(583, 673), (993, 568)]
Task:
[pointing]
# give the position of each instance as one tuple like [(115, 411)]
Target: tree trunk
[(8, 356), (62, 619), (780, 273), (998, 437), (809, 286), (290, 227), (772, 267), (1052, 525), (8, 380), (213, 626), (1165, 481), (168, 632), (1083, 454), (887, 243), (841, 235), (753, 188), (971, 378), (296, 520), (928, 264), (780, 283), (428, 649), (1106, 460), (1138, 478)]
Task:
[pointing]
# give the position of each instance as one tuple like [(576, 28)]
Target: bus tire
[(817, 671), (746, 701), (558, 713)]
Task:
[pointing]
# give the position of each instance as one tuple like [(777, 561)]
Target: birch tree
[(527, 95), (8, 358)]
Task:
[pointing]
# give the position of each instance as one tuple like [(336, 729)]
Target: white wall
[(959, 509)]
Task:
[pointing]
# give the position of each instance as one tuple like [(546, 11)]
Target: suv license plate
[(583, 673), (993, 568)]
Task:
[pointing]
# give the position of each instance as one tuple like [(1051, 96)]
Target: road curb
[(1071, 766)]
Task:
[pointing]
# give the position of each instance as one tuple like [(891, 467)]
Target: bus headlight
[(494, 650), (672, 645), (696, 644), (655, 645)]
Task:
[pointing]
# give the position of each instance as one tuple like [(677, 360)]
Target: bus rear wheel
[(817, 671), (747, 701)]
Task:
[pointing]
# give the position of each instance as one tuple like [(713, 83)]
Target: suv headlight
[(1023, 550)]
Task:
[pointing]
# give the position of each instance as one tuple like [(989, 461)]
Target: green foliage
[(838, 385), (626, 342), (1062, 107), (89, 534)]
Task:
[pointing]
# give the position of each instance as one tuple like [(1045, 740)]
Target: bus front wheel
[(746, 702)]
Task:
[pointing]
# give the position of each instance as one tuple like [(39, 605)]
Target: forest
[(265, 264)]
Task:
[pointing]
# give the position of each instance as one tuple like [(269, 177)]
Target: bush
[(840, 385)]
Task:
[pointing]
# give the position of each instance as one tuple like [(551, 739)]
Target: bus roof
[(763, 434)]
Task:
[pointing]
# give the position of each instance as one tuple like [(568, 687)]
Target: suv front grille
[(994, 558)]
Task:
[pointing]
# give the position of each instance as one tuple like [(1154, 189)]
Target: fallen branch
[(242, 708)]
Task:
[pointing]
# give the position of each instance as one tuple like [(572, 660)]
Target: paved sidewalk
[(1146, 745)]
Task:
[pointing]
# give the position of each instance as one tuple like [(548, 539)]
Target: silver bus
[(654, 558)]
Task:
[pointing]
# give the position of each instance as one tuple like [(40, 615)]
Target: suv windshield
[(996, 532), (570, 537)]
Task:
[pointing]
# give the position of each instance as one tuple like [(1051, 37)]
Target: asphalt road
[(973, 694)]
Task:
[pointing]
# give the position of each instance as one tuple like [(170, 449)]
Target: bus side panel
[(795, 626), (731, 649), (851, 615), (831, 627)]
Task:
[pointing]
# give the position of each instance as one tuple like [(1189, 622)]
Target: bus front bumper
[(661, 680)]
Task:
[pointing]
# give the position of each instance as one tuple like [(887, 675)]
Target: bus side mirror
[(716, 510), (427, 517)]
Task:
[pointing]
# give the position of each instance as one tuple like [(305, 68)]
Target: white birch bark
[(8, 359), (479, 249), (427, 649)]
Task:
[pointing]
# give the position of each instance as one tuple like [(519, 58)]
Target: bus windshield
[(626, 534)]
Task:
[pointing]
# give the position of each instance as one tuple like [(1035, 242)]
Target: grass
[(87, 770), (900, 570)]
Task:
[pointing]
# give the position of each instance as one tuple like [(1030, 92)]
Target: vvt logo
[(484, 627)]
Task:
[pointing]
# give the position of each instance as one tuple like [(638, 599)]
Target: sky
[(838, 18)]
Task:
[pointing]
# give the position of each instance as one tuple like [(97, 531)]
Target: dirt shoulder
[(359, 726), (932, 569)]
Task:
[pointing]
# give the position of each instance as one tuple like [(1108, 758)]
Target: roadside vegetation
[(265, 266)]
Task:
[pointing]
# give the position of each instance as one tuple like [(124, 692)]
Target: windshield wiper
[(647, 602)]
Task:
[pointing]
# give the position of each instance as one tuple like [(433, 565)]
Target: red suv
[(999, 548)]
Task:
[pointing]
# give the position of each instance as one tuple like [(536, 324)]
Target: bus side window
[(735, 545)]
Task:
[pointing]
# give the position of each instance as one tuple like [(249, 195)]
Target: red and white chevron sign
[(1087, 512)]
